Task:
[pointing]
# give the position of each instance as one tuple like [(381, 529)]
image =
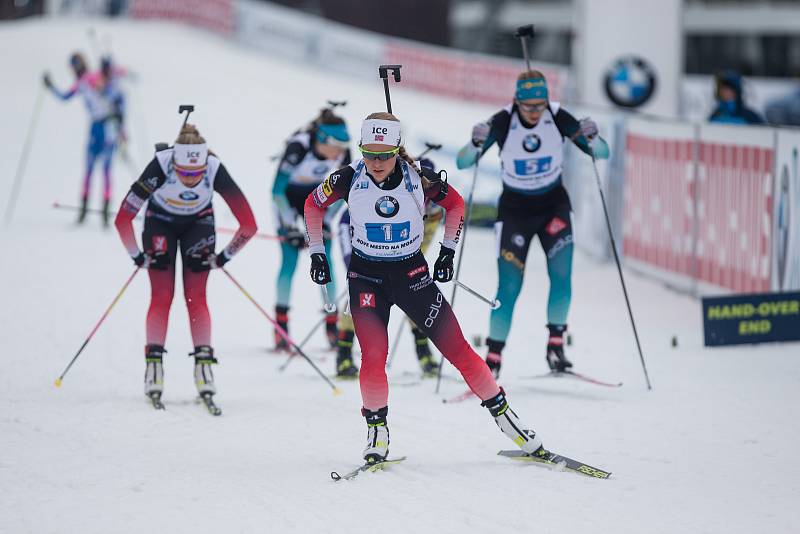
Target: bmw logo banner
[(387, 206), (630, 82)]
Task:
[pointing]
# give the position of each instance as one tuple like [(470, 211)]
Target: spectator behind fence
[(731, 108)]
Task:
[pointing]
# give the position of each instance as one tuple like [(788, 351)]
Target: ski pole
[(23, 158), (281, 332), (400, 330), (460, 257), (285, 364), (96, 327), (428, 148), (523, 32), (383, 72), (222, 229), (493, 303), (329, 306), (619, 270)]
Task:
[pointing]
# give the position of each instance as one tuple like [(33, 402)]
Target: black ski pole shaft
[(524, 32), (397, 337), (96, 327), (428, 148), (460, 257), (383, 72), (23, 158), (619, 270), (282, 332), (311, 332)]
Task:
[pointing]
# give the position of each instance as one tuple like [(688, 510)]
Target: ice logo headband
[(531, 88), (190, 155), (380, 132)]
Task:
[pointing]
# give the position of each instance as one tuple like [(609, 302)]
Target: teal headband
[(337, 131), (531, 88)]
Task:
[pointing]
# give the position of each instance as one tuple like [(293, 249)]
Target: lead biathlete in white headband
[(386, 195)]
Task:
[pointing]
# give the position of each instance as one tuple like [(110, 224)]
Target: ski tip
[(57, 382)]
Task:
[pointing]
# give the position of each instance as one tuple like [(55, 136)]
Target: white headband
[(190, 155), (380, 132)]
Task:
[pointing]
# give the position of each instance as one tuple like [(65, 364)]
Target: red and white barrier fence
[(699, 203)]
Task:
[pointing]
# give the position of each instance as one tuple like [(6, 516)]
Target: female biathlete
[(178, 186), (345, 367), (386, 196), (309, 157), (105, 105), (531, 134)]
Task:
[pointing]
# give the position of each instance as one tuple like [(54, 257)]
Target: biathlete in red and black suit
[(386, 196), (178, 186)]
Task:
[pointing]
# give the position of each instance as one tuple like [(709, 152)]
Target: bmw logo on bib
[(531, 143), (387, 206), (189, 195)]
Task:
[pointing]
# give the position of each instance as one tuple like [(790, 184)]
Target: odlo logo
[(531, 143), (387, 206), (433, 312)]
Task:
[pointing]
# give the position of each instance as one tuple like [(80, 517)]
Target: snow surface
[(713, 448)]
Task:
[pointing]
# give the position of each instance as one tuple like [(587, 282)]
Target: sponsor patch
[(319, 196), (366, 300), (555, 226), (326, 187), (159, 243), (414, 272)]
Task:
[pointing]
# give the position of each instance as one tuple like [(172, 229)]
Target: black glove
[(292, 236), (320, 270), (443, 268), (198, 263), (47, 81), (146, 260)]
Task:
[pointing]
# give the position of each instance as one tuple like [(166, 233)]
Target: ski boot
[(555, 356), (429, 366), (511, 426), (282, 318), (494, 357), (154, 371), (345, 367), (82, 211), (330, 329), (377, 448), (203, 376)]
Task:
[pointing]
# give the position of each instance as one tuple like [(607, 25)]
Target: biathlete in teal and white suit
[(531, 134), (310, 156)]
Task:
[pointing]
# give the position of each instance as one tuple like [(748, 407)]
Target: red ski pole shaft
[(97, 326), (281, 331)]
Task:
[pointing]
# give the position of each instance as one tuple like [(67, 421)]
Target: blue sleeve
[(66, 95)]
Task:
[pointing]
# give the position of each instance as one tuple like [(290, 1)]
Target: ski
[(581, 377), (208, 400), (155, 400), (370, 467), (459, 398), (557, 461)]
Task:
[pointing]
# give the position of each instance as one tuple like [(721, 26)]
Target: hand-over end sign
[(753, 318)]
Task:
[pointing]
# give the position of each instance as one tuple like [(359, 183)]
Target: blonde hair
[(383, 115), (530, 75), (189, 136)]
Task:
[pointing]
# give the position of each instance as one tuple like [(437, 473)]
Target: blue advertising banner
[(754, 318)]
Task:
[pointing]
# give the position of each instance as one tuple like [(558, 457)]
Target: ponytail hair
[(190, 136)]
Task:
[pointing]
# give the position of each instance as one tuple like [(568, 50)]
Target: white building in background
[(682, 41)]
